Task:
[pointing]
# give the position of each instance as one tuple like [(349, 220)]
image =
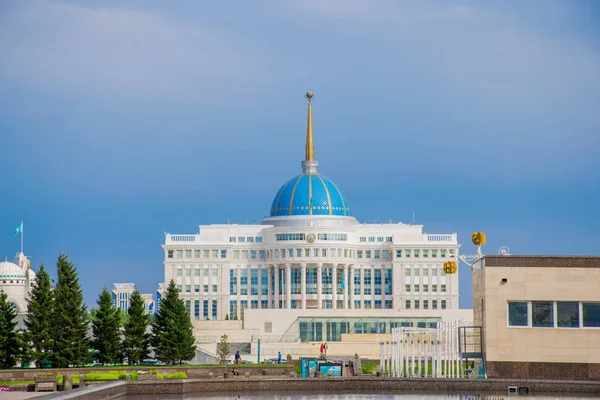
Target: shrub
[(177, 375)]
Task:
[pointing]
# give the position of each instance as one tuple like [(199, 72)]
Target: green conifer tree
[(38, 321), (10, 344), (172, 332), (70, 324), (136, 341), (106, 326)]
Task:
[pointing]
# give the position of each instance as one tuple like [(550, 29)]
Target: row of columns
[(348, 274)]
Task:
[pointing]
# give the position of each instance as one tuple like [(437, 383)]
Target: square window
[(205, 253), (542, 314), (197, 272), (197, 288), (567, 314), (169, 253), (443, 288), (188, 254), (416, 253), (591, 315), (407, 271), (517, 313), (425, 288), (367, 254), (205, 287), (407, 288), (416, 288), (433, 253), (179, 253), (215, 253), (359, 253), (188, 288)]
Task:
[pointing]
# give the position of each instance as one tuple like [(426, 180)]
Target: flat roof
[(541, 261)]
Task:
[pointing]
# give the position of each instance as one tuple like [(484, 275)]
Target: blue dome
[(309, 194)]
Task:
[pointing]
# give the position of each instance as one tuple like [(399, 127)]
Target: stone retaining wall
[(364, 384), (192, 372), (540, 370)]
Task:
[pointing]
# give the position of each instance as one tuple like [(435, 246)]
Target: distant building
[(540, 316), (160, 292), (122, 297), (16, 280)]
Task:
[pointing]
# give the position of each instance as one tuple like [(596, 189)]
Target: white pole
[(458, 352), (22, 238), (401, 357), (407, 359), (381, 356), (426, 358), (419, 359)]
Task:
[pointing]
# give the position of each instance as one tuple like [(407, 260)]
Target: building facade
[(312, 254), (540, 316), (121, 295), (17, 280)]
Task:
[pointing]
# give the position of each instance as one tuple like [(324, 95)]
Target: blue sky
[(122, 120)]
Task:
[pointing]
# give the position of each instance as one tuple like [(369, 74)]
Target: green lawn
[(11, 383)]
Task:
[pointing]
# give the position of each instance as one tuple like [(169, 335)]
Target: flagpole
[(22, 238)]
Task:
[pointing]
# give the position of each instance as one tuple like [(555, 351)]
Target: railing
[(427, 238), (288, 338), (181, 238)]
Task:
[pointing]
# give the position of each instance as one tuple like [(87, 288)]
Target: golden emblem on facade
[(311, 238)]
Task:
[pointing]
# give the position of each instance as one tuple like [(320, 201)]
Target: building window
[(377, 252), (377, 303), (214, 272), (188, 272), (407, 304), (416, 288), (179, 253), (591, 315), (377, 282), (398, 253), (253, 254), (250, 239), (188, 306), (359, 254), (425, 272), (197, 309), (205, 288), (517, 313), (371, 239), (443, 253), (368, 254), (205, 309), (169, 253), (433, 253), (367, 304), (197, 288), (261, 254), (197, 272), (259, 240), (264, 304), (417, 305), (214, 309), (232, 239), (388, 239), (407, 288), (363, 239), (406, 253), (567, 314), (388, 282), (425, 253), (386, 254), (425, 304), (416, 253), (407, 271), (542, 314), (416, 271), (425, 288), (356, 303), (434, 272), (215, 253), (357, 282), (214, 288), (242, 239), (188, 254), (178, 272), (434, 288), (443, 304), (205, 253), (443, 288), (205, 271), (434, 304), (233, 309), (223, 253), (388, 304)]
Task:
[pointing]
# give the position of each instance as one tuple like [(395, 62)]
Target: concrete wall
[(503, 343)]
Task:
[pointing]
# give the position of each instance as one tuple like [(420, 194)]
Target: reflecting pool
[(338, 395)]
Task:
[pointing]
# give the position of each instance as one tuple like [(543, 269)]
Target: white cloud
[(118, 51)]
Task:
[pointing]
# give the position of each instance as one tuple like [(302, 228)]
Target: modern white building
[(121, 295), (311, 270), (16, 280)]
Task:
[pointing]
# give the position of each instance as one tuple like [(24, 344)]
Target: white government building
[(310, 272)]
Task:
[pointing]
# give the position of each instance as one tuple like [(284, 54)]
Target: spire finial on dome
[(310, 147), (309, 165)]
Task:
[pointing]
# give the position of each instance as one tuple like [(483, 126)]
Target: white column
[(346, 284), (288, 286), (351, 284), (334, 286), (319, 286), (276, 270), (303, 285), (270, 288)]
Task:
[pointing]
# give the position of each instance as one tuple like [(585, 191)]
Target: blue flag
[(18, 230), (343, 285)]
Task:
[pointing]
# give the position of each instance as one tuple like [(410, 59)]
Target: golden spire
[(310, 148)]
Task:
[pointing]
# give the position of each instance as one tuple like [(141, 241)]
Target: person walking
[(278, 357), (325, 347), (237, 357)]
